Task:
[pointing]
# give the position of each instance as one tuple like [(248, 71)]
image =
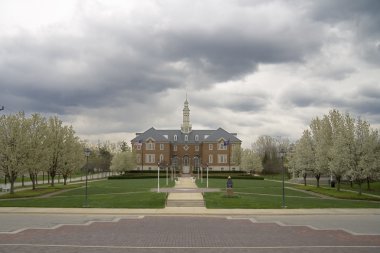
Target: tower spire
[(186, 126)]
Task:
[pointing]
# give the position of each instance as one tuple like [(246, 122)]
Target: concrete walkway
[(180, 198)]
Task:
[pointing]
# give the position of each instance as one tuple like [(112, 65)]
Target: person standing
[(229, 186)]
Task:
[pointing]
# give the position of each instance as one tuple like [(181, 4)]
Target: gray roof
[(203, 136)]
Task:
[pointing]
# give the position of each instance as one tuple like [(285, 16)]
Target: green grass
[(39, 191), (133, 193), (252, 201), (253, 186), (332, 192), (268, 194), (136, 193), (375, 188), (276, 176)]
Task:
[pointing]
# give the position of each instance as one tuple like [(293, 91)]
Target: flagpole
[(142, 156), (229, 155)]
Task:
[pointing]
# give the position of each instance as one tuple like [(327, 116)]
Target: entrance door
[(186, 166)]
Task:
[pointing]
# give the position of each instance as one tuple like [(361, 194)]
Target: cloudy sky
[(113, 68)]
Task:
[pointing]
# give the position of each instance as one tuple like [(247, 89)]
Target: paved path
[(27, 184), (186, 234), (185, 194)]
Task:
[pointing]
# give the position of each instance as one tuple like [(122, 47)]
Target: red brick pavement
[(186, 234)]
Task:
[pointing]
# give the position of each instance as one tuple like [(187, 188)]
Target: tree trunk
[(368, 184), (52, 175), (12, 182), (12, 190), (360, 186), (36, 177), (338, 182), (304, 178), (318, 176), (64, 179), (31, 175)]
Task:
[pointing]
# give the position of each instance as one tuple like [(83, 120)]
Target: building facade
[(186, 149)]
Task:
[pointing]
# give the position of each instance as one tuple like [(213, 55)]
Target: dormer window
[(196, 138), (186, 138), (175, 137)]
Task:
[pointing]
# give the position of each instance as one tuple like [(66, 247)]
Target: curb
[(194, 211)]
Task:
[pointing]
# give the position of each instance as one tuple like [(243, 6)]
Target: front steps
[(185, 203), (182, 198)]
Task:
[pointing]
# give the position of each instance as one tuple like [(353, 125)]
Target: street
[(134, 233)]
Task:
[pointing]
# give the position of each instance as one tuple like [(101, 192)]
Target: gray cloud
[(114, 70), (361, 18)]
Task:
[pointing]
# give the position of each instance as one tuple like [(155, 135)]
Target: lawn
[(375, 188), (268, 194), (131, 193), (332, 192), (40, 190)]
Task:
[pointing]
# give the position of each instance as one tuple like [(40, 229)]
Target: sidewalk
[(182, 199), (193, 211)]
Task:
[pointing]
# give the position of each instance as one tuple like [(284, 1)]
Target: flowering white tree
[(36, 142), (365, 142), (251, 161), (124, 161), (305, 156), (341, 152), (72, 155), (13, 146), (321, 135)]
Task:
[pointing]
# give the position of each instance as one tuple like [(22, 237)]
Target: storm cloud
[(252, 67)]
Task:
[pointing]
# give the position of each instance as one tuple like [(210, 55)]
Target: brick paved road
[(186, 234)]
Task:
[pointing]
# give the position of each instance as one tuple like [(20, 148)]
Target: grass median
[(131, 193), (268, 194)]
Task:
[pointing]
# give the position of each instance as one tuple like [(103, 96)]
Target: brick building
[(186, 149)]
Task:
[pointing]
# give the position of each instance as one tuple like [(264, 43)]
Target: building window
[(196, 162), (210, 159), (186, 161), (222, 146), (196, 148), (161, 146), (138, 158), (161, 158), (175, 137), (210, 147), (175, 147), (150, 146), (149, 158), (186, 138), (175, 162), (196, 138), (222, 158), (138, 147)]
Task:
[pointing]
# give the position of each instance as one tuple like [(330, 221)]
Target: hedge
[(241, 176), (219, 175), (137, 176)]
